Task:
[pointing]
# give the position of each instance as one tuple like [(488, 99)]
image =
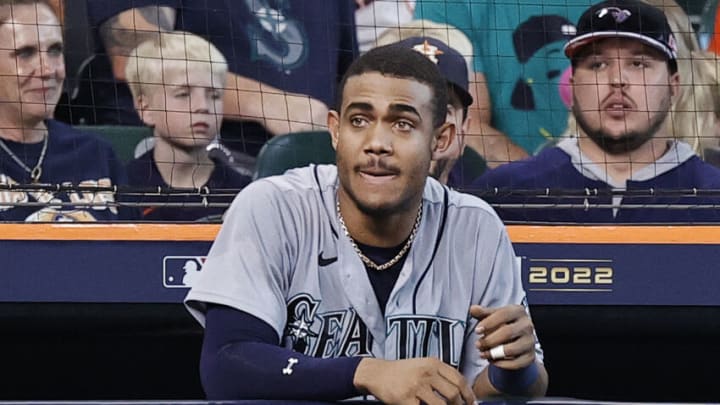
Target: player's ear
[(443, 138), (333, 123)]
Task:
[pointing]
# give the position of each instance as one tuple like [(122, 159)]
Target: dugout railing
[(93, 311)]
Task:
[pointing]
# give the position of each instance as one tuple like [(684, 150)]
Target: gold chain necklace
[(36, 171), (368, 262)]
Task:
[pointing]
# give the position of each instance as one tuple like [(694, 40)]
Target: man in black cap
[(454, 68), (624, 79)]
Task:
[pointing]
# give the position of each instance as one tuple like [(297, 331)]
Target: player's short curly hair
[(405, 63)]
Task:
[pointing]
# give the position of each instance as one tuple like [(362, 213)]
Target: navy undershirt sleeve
[(241, 359)]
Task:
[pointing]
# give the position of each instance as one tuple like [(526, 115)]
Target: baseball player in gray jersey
[(367, 277)]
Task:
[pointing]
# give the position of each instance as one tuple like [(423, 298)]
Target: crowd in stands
[(35, 148), (228, 76), (623, 93)]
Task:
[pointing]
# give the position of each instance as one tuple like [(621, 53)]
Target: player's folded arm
[(241, 355), (241, 359)]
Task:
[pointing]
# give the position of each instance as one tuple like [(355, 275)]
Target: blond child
[(177, 83)]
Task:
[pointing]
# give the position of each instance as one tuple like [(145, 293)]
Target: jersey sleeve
[(465, 15), (504, 287), (250, 263)]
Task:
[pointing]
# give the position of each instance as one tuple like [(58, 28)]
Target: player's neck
[(378, 231), (182, 168), (621, 167), (22, 132)]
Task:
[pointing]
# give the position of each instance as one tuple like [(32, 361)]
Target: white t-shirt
[(373, 19)]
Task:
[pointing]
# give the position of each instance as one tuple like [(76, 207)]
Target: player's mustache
[(377, 165)]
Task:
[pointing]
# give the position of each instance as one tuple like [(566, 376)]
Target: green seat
[(299, 149), (296, 149), (123, 138)]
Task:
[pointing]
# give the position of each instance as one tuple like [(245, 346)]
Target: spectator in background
[(177, 82), (285, 59), (35, 148), (374, 17), (624, 80), (432, 40), (518, 63), (693, 116)]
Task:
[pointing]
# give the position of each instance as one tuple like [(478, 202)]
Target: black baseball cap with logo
[(450, 62), (625, 19)]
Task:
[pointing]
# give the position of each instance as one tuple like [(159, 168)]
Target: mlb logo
[(181, 271)]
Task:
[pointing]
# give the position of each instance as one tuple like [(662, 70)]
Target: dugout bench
[(93, 311)]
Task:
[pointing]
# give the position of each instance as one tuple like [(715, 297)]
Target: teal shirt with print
[(518, 46)]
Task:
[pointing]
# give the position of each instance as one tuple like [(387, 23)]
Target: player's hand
[(509, 326), (411, 381)]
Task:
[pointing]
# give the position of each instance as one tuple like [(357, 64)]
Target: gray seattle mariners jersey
[(282, 257)]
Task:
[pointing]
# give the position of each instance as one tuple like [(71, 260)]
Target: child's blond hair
[(151, 60)]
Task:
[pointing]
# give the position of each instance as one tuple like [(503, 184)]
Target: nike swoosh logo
[(322, 261)]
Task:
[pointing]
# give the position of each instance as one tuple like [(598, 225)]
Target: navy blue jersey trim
[(440, 233), (317, 181)]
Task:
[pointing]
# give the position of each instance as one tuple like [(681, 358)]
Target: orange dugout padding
[(692, 234)]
